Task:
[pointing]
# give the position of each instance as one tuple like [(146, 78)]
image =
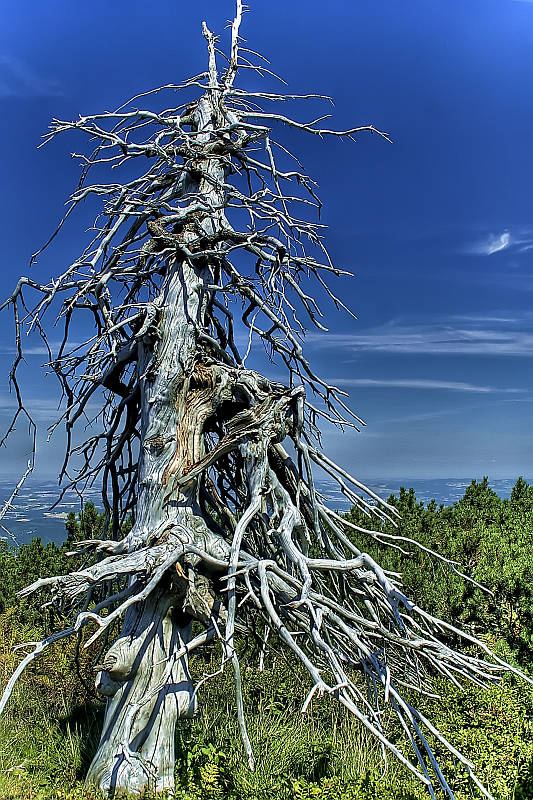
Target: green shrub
[(50, 729)]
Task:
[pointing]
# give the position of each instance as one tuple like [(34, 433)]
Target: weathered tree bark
[(136, 750), (136, 747)]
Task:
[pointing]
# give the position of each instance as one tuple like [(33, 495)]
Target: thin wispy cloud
[(517, 241), (421, 383), (42, 409), (493, 243), (483, 318), (422, 416), (457, 336), (7, 348), (19, 79)]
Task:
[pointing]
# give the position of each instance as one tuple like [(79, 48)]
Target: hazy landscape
[(34, 515)]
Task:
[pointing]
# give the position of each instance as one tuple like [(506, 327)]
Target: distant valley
[(33, 514)]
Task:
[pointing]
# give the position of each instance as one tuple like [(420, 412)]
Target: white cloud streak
[(498, 243), (41, 409), (494, 243), (420, 383), (456, 337), (36, 348), (519, 240), (19, 79)]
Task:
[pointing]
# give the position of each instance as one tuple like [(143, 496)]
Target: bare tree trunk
[(136, 747), (148, 687)]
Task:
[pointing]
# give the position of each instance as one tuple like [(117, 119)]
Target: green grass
[(50, 731)]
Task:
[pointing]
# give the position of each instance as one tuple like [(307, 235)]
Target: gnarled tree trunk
[(145, 698), (149, 686), (136, 748)]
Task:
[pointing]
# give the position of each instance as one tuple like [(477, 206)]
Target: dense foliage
[(47, 738), (490, 539)]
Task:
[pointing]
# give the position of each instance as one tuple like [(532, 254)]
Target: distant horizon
[(4, 479), (31, 516)]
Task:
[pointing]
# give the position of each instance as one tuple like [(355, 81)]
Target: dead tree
[(205, 237)]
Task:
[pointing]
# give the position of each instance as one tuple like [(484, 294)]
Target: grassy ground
[(50, 731)]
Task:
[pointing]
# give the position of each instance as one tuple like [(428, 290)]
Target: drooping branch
[(8, 505)]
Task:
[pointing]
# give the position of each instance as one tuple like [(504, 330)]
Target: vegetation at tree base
[(47, 738), (491, 541)]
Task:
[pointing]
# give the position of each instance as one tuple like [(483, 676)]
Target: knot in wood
[(119, 660), (156, 445), (202, 377)]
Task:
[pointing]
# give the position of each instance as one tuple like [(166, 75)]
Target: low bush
[(49, 731)]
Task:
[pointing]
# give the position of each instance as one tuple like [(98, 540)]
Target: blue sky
[(437, 227)]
